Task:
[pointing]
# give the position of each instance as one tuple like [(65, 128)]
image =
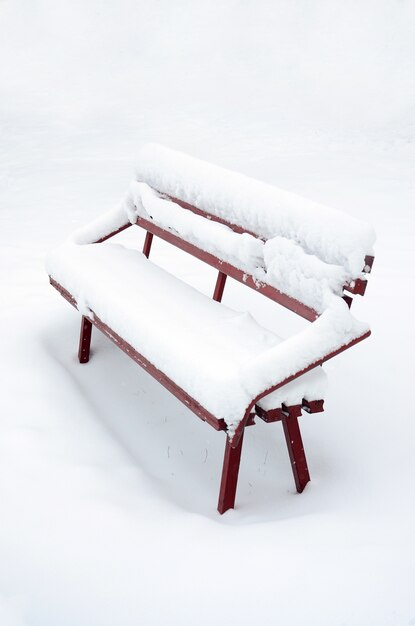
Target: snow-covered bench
[(221, 363)]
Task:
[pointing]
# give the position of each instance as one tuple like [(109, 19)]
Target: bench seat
[(202, 345)]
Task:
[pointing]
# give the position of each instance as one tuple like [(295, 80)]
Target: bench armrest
[(333, 332)]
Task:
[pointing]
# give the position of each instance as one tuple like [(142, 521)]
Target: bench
[(222, 364)]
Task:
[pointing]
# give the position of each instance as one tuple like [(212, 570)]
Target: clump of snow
[(302, 276), (82, 305), (102, 226), (310, 386), (242, 250)]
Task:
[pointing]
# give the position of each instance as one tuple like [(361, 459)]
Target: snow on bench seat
[(222, 358)]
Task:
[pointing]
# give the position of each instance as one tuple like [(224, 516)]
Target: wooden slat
[(214, 218), (368, 263), (276, 414), (272, 415), (356, 287), (359, 285), (313, 406), (226, 268), (114, 232), (293, 410)]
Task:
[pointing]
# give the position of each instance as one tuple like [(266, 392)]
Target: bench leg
[(219, 287), (296, 451), (147, 244), (230, 473), (85, 340)]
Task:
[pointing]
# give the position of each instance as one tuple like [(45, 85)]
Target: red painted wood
[(313, 406), (348, 300), (230, 473), (84, 340), (272, 415), (214, 218), (219, 287), (276, 415), (296, 450), (358, 287), (114, 232), (147, 244), (368, 263), (226, 268), (293, 410)]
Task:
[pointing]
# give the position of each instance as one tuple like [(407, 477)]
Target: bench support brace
[(230, 473), (85, 340), (296, 451)]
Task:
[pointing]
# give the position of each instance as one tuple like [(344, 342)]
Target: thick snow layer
[(300, 275), (222, 358), (267, 211), (242, 250), (310, 386), (100, 227)]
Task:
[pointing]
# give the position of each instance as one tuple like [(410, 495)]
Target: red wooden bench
[(114, 288)]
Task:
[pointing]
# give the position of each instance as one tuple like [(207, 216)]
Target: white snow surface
[(108, 485), (220, 357)]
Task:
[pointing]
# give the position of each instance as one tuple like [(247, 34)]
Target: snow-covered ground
[(108, 486)]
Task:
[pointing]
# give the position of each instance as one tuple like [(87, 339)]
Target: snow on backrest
[(331, 235), (310, 251), (304, 250)]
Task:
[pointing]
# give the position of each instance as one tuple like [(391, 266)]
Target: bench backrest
[(294, 251)]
